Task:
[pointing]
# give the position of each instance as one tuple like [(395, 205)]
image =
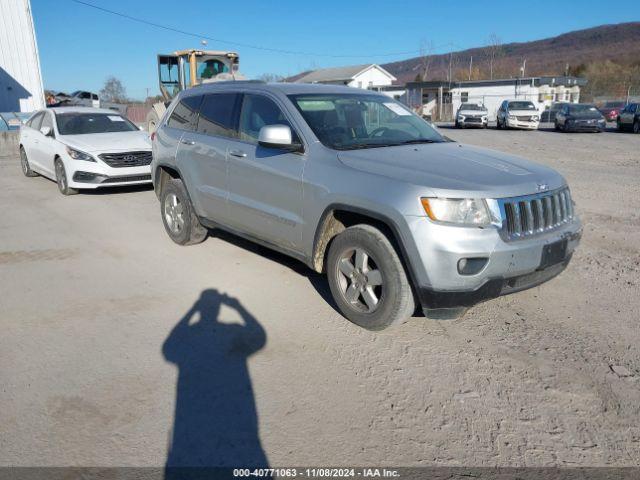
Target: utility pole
[(470, 66), (450, 59), (628, 94)]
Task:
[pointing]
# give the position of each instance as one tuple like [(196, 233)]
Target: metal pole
[(470, 66)]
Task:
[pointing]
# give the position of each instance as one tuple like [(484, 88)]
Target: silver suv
[(354, 184)]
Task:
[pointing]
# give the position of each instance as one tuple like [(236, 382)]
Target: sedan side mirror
[(277, 136), (46, 131)]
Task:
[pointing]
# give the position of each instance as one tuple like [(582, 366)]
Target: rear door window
[(185, 114), (218, 115), (47, 122)]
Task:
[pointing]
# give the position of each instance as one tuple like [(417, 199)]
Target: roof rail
[(229, 82)]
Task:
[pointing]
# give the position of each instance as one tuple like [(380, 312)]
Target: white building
[(20, 78), (542, 91), (369, 76)]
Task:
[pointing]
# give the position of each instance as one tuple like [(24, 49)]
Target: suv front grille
[(536, 214), (524, 118), (126, 159)]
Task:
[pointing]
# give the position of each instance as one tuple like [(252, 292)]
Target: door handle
[(187, 142), (237, 153)]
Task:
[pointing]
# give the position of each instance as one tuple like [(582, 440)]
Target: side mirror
[(46, 131), (277, 136)]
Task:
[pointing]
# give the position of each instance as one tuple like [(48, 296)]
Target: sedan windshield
[(74, 123), (521, 106), (471, 106), (345, 121)]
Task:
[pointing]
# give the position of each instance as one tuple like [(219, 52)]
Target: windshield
[(583, 109), (521, 106), (471, 106), (345, 121), (81, 123)]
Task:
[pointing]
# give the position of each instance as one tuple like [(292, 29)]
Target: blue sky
[(80, 46)]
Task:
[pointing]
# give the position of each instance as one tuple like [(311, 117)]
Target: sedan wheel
[(24, 162), (62, 181)]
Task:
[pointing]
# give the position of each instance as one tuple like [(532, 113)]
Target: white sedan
[(82, 147)]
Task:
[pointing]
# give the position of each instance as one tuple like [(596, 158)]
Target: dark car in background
[(549, 115), (629, 118), (580, 117), (611, 110)]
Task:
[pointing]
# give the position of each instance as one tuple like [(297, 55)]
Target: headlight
[(535, 118), (464, 211), (78, 155), (460, 117), (512, 117)]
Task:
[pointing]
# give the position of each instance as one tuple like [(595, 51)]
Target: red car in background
[(610, 110)]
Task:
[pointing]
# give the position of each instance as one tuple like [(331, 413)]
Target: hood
[(472, 113), (524, 113), (108, 142), (456, 170), (586, 115)]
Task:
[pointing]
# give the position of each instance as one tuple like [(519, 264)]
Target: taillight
[(153, 136)]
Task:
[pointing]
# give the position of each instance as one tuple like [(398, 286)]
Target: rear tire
[(24, 161), (178, 216), (62, 180), (619, 125), (367, 279), (636, 126)]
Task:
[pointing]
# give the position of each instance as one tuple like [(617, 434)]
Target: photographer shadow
[(216, 422)]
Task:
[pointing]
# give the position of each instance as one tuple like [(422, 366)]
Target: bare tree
[(113, 91), (271, 77), (494, 51), (426, 50)]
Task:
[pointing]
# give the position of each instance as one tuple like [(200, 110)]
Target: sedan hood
[(456, 170), (524, 113), (108, 142)]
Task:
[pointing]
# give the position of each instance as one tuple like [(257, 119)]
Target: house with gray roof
[(368, 76)]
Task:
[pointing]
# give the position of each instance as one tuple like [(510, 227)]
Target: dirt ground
[(118, 347)]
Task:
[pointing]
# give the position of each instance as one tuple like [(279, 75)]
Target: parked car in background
[(580, 117), (472, 115), (610, 110), (83, 98), (81, 147), (629, 118), (518, 114), (549, 115), (356, 185)]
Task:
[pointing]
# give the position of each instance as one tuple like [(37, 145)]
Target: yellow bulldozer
[(187, 68)]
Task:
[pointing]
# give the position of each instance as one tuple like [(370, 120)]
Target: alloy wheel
[(24, 161), (61, 176), (174, 213), (360, 281)]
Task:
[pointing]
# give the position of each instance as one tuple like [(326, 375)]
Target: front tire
[(367, 279), (62, 180), (24, 161), (636, 126), (178, 216)]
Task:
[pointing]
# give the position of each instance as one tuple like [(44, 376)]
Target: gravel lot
[(100, 365)]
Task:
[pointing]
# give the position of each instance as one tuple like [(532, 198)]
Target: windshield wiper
[(418, 140)]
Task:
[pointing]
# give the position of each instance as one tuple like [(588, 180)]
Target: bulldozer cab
[(187, 68)]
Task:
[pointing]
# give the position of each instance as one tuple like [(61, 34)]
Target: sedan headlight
[(535, 118), (461, 117), (79, 155), (462, 211), (512, 117)]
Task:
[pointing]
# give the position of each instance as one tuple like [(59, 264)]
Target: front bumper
[(469, 122), (522, 124), (585, 126), (91, 175), (510, 265)]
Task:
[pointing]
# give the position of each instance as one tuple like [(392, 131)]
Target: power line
[(245, 45)]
